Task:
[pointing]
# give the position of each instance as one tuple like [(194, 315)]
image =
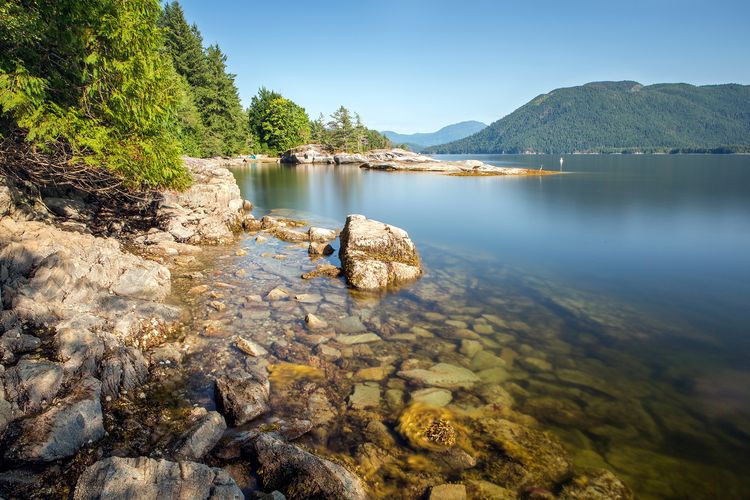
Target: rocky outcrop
[(299, 474), (375, 255), (308, 153), (148, 479), (208, 428), (344, 158), (209, 210)]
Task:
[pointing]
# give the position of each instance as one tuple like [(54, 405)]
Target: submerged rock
[(376, 255), (299, 474), (448, 492), (243, 396), (442, 375), (148, 479), (599, 485)]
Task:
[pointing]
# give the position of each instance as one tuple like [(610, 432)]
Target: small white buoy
[(561, 162)]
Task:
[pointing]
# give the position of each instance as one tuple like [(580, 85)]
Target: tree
[(212, 87), (341, 129), (258, 110), (285, 125), (318, 132), (90, 76)]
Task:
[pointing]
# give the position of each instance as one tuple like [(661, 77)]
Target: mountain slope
[(620, 116), (445, 134)]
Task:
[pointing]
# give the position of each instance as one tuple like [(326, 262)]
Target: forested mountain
[(446, 134), (620, 117)]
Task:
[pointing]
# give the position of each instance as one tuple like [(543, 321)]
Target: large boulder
[(308, 153), (299, 474), (375, 255), (148, 479), (343, 158)]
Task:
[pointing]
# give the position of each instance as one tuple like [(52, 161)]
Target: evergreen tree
[(318, 132), (92, 75), (285, 125)]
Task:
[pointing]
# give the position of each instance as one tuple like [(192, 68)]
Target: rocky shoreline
[(399, 160), (87, 337)]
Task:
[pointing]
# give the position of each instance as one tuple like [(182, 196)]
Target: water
[(611, 305)]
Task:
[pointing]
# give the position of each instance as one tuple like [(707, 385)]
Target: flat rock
[(432, 396), (376, 255), (361, 338), (442, 375), (314, 323), (250, 347), (148, 479), (320, 235), (448, 492), (365, 396)]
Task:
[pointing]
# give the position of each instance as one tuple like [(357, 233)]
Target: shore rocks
[(343, 158), (202, 436), (148, 479), (308, 153), (209, 210), (300, 474), (376, 255), (62, 429), (243, 396)]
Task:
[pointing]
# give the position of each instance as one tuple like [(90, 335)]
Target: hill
[(620, 117), (419, 141)]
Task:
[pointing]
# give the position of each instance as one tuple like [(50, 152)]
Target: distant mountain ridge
[(620, 117), (448, 133)]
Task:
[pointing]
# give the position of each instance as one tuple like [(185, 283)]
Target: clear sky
[(415, 66)]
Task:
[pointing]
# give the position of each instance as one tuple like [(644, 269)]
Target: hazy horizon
[(485, 59)]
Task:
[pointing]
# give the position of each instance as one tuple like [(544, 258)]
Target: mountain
[(620, 117), (450, 133)]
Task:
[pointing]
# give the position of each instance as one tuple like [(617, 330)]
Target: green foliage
[(620, 117), (93, 75), (346, 133), (284, 125), (210, 87)]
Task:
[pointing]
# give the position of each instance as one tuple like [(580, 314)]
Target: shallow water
[(610, 304)]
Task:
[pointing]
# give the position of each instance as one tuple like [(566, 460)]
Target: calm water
[(616, 295)]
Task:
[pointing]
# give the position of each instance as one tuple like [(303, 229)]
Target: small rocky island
[(398, 160)]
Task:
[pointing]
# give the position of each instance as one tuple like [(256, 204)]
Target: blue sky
[(415, 66)]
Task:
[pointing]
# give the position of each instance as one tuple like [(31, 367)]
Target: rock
[(365, 396), (315, 323), (288, 234), (470, 347), (243, 396), (344, 158), (249, 347), (442, 375), (599, 485), (308, 298), (61, 430), (327, 352), (448, 492), (218, 306), (277, 294), (362, 338), (320, 235), (202, 436), (308, 153), (300, 474), (260, 239), (148, 479), (485, 489), (320, 249), (65, 207), (533, 459), (32, 384), (394, 398), (247, 206), (376, 373), (376, 255), (534, 364), (432, 396), (350, 324), (485, 360), (122, 369), (323, 270)]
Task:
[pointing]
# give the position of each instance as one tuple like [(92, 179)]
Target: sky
[(417, 65)]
